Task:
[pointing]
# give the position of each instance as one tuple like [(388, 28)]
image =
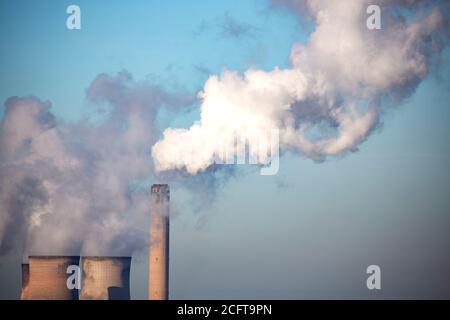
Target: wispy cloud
[(231, 28), (227, 27)]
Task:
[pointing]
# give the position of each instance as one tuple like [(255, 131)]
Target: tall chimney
[(105, 278), (48, 278), (158, 279)]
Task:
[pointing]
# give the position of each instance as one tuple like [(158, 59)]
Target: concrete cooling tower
[(105, 278), (158, 280), (25, 281), (48, 278)]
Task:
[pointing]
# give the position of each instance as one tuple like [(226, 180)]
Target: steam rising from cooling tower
[(79, 188), (105, 278)]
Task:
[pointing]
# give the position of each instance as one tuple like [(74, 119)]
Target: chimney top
[(160, 188)]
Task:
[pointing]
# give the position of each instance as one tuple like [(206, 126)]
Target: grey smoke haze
[(78, 187), (334, 94)]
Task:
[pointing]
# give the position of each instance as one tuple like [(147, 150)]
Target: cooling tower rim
[(53, 257), (106, 257)]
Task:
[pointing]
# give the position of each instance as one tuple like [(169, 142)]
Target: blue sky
[(170, 42), (309, 231)]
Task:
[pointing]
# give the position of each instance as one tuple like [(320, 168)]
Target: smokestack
[(106, 278), (48, 278), (158, 280), (25, 281)]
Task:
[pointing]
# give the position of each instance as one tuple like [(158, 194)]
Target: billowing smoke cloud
[(331, 98), (73, 188), (83, 187)]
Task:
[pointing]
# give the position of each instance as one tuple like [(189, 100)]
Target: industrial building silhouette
[(104, 278)]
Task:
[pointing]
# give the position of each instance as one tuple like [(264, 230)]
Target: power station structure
[(48, 278), (158, 279), (103, 278)]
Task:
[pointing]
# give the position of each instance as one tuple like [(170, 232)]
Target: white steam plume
[(330, 99)]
